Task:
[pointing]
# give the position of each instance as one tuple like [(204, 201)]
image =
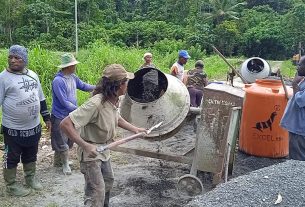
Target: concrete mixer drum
[(153, 96), (255, 68)]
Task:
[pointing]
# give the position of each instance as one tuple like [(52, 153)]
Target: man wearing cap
[(196, 80), (97, 120), (22, 100), (64, 97), (177, 69), (147, 57)]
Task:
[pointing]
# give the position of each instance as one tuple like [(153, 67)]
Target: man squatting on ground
[(96, 120), (64, 97), (22, 100), (293, 118)]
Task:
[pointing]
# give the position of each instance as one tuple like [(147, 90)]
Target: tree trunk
[(10, 34)]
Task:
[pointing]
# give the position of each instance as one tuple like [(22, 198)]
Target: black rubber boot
[(107, 198)]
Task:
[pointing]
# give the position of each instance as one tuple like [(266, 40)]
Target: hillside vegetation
[(271, 29)]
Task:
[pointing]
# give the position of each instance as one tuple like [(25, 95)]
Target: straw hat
[(67, 60)]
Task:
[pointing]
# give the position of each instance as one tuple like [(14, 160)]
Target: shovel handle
[(127, 139), (233, 69), (121, 141), (284, 85)]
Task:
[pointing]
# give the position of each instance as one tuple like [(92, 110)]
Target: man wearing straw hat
[(64, 97), (22, 100)]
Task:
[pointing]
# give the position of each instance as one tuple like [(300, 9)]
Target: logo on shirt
[(33, 111), (30, 100), (28, 84)]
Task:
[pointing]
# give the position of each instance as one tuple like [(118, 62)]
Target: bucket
[(260, 131), (153, 96)]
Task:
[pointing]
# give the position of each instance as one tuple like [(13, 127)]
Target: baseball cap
[(117, 72), (184, 54)]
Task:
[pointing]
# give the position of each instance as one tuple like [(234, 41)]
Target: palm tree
[(222, 9)]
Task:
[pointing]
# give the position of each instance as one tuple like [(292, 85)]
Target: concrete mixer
[(255, 68), (152, 97)]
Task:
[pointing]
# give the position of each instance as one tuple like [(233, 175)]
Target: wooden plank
[(234, 139), (147, 153), (233, 129)]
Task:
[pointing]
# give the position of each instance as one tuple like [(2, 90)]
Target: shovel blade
[(154, 127)]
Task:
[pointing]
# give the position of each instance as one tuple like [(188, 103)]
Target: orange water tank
[(260, 132)]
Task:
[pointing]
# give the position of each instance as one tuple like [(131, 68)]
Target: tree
[(39, 15), (10, 17), (264, 40), (292, 27), (222, 10), (277, 5), (227, 36), (252, 17)]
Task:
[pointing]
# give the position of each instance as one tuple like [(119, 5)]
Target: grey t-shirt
[(20, 96)]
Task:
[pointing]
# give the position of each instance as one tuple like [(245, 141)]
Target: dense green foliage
[(271, 29)]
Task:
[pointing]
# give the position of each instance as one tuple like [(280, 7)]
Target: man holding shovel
[(97, 120)]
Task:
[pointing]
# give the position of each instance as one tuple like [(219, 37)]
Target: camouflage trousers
[(98, 182)]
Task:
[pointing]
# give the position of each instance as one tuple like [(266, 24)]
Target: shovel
[(127, 139)]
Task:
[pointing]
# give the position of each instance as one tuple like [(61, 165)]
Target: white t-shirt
[(20, 96), (178, 70)]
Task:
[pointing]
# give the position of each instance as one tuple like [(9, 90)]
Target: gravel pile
[(260, 188)]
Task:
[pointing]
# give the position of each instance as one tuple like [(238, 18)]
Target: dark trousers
[(59, 141), (296, 147), (20, 144), (98, 182), (195, 96)]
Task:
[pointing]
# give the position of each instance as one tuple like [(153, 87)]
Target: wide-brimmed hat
[(67, 60), (117, 72)]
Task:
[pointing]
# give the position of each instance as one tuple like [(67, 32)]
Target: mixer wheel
[(189, 185)]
